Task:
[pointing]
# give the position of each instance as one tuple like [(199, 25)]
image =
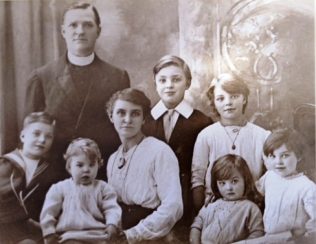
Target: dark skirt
[(132, 214)]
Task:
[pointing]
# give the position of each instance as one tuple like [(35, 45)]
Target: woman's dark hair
[(130, 95), (222, 170)]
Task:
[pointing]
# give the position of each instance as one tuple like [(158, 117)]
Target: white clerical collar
[(183, 108), (80, 61)]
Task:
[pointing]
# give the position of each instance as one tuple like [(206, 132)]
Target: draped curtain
[(29, 39)]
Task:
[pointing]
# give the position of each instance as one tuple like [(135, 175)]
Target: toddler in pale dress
[(81, 209), (234, 215)]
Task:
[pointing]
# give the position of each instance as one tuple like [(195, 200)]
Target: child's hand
[(51, 239), (111, 230)]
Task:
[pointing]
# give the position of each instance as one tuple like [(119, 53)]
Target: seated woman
[(144, 171)]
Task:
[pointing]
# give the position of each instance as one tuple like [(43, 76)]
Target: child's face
[(37, 139), (229, 106), (233, 188), (282, 161), (171, 84), (127, 118), (82, 169)]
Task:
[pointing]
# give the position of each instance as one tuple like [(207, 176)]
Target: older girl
[(144, 171), (231, 134)]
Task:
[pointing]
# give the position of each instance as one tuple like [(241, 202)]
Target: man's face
[(80, 31)]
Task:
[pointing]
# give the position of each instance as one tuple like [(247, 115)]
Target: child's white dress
[(80, 212), (290, 202)]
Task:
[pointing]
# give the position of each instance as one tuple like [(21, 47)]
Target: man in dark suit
[(75, 88)]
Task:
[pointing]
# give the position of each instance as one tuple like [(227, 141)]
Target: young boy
[(25, 177), (290, 197), (175, 121), (81, 208)]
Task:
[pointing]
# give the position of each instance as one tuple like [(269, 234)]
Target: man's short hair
[(83, 5)]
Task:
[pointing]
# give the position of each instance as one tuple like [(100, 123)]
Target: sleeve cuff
[(113, 220)]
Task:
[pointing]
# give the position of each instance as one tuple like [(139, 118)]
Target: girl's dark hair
[(230, 84), (291, 138), (222, 170), (130, 95), (169, 60)]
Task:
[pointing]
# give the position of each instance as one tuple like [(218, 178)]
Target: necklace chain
[(235, 130), (121, 182), (123, 160)]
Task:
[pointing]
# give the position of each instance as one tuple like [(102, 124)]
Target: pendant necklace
[(235, 130), (123, 158)]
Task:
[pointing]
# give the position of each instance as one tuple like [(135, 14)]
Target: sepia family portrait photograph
[(157, 121)]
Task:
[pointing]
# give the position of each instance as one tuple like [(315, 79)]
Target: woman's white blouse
[(149, 178)]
